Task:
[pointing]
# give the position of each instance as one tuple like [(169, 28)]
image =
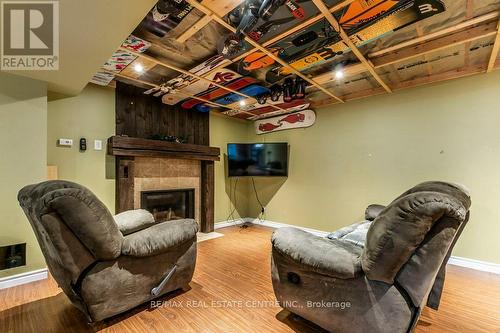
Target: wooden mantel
[(129, 146), (127, 149)]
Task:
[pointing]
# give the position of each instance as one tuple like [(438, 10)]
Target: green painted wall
[(224, 130), (23, 133), (369, 151), (90, 115)]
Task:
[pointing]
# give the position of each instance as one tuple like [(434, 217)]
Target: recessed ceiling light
[(339, 74), (138, 68), (243, 103)]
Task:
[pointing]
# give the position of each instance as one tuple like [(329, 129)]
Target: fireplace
[(166, 205)]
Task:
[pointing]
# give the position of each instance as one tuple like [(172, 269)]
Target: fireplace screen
[(169, 205)]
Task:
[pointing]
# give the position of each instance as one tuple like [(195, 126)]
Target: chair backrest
[(72, 225), (410, 239)]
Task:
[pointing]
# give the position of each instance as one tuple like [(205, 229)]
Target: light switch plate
[(65, 142), (97, 144)]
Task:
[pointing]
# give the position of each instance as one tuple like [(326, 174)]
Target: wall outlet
[(97, 144), (65, 142)]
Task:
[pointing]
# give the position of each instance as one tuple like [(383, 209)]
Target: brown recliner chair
[(379, 282), (107, 267)]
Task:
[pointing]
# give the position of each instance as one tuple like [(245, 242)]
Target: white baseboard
[(272, 224), (475, 264), (229, 223), (23, 278), (457, 261)]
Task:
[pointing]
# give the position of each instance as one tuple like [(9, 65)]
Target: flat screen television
[(257, 159)]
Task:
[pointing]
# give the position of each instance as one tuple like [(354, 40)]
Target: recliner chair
[(107, 267), (373, 276)]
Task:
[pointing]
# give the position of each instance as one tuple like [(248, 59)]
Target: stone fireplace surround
[(149, 165), (162, 173)]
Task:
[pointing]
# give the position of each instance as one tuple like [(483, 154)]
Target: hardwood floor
[(231, 292)]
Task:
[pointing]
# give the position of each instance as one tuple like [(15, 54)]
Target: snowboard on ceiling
[(233, 100), (183, 81), (363, 20), (186, 84), (216, 93), (300, 119), (295, 105), (120, 60), (288, 15), (165, 16)]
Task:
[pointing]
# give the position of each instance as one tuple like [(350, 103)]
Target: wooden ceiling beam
[(354, 49), (443, 32), (153, 85), (440, 77), (438, 44), (183, 71), (469, 13), (494, 52), (428, 79), (259, 47), (197, 26), (224, 7), (350, 70), (420, 33)]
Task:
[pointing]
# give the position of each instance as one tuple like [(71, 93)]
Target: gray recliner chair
[(107, 265), (373, 276)]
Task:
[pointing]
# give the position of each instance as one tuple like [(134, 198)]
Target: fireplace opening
[(166, 205)]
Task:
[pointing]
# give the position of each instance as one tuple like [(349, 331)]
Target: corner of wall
[(23, 137)]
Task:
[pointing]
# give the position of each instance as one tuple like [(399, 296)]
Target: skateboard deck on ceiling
[(118, 61), (136, 44)]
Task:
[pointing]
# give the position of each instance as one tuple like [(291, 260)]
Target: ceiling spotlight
[(243, 103), (138, 68), (339, 73)]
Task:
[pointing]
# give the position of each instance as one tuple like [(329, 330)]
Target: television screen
[(257, 159)]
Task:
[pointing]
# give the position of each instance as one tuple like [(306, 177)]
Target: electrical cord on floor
[(262, 208)]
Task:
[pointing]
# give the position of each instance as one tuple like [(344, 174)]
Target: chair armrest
[(372, 211), (159, 238), (131, 221), (334, 258)]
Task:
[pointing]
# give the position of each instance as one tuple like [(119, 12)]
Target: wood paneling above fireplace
[(139, 117), (143, 116)]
